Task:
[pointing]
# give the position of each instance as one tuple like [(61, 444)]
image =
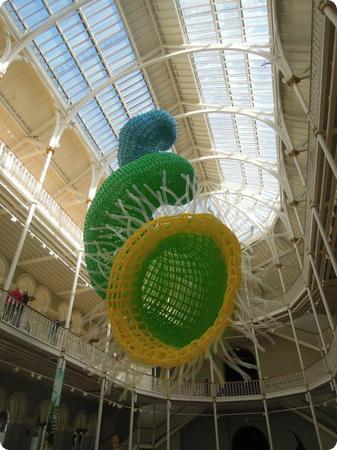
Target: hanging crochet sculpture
[(170, 278)]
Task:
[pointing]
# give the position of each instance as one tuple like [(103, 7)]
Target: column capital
[(317, 131), (50, 149), (293, 152), (293, 203), (292, 79), (326, 3)]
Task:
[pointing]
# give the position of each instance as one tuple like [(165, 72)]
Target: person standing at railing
[(11, 304), (22, 302)]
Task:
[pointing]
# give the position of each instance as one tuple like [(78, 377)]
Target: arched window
[(246, 356), (249, 438)]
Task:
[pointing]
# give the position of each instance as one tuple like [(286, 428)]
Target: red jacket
[(14, 295)]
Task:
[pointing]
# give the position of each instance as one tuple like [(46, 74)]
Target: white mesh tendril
[(250, 304)]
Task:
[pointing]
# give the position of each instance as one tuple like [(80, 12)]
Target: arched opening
[(249, 438), (245, 356)]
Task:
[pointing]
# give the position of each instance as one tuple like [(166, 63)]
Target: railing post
[(215, 415), (299, 353), (29, 219)]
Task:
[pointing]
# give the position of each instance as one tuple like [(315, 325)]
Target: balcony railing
[(16, 173), (29, 322)]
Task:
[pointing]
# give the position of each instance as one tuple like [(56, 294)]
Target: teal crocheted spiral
[(147, 133)]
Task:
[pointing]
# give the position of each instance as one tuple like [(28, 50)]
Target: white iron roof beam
[(169, 69), (260, 115), (227, 85), (29, 37)]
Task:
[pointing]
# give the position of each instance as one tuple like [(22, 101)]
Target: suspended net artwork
[(167, 267)]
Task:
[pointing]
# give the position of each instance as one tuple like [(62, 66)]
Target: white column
[(321, 337), (320, 288), (329, 9), (300, 97), (102, 393), (74, 287), (327, 152), (154, 427), (29, 219), (265, 406), (61, 363), (99, 413), (325, 239), (215, 415), (299, 353), (168, 424), (132, 412)]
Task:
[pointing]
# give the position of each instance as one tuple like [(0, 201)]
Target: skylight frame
[(215, 87), (73, 86)]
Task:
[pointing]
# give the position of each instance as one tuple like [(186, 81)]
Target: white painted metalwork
[(132, 411), (28, 221), (321, 290), (102, 394), (215, 416), (325, 238), (262, 388), (264, 165), (308, 393), (255, 47), (16, 173), (327, 153), (263, 116), (168, 424), (29, 37), (38, 330), (328, 8)]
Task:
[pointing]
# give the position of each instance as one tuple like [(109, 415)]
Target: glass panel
[(237, 79), (82, 51)]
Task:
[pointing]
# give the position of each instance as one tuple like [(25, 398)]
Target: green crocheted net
[(127, 185), (180, 288)]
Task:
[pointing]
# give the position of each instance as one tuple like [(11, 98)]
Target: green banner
[(54, 405)]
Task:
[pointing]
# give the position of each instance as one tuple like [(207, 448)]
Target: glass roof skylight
[(237, 79), (81, 52), (89, 46)]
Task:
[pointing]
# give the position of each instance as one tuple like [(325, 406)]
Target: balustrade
[(28, 321), (16, 172)]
